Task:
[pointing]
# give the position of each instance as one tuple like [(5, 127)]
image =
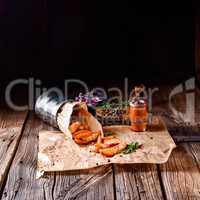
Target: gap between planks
[(181, 174), (13, 124), (82, 185), (137, 181)]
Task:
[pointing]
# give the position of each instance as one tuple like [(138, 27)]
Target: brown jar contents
[(138, 116)]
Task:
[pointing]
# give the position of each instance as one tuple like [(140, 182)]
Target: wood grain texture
[(21, 183), (180, 175), (139, 181), (11, 125), (81, 184), (195, 149), (177, 122)]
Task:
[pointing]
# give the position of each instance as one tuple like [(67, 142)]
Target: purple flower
[(89, 99)]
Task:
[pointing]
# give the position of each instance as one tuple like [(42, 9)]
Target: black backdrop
[(53, 40)]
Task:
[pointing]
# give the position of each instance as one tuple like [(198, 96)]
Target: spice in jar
[(138, 112)]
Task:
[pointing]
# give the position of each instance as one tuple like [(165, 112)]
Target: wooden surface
[(179, 178), (137, 181), (22, 184), (12, 124), (180, 175)]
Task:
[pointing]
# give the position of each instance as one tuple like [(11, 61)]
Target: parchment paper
[(58, 153), (64, 118)]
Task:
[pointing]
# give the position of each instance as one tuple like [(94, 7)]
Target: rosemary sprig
[(131, 147), (111, 105)]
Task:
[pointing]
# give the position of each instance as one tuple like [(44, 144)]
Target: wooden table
[(179, 178)]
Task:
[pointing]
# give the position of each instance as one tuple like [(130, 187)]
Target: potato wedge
[(111, 151), (74, 127)]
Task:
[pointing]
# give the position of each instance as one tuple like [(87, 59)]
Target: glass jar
[(138, 115)]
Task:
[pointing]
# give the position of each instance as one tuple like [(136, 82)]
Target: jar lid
[(138, 103), (138, 98)]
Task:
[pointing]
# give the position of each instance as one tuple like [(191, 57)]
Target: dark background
[(97, 41)]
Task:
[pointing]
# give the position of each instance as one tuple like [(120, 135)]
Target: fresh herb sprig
[(131, 147), (111, 105)]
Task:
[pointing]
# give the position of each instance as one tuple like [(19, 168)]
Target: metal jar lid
[(47, 106), (138, 102)]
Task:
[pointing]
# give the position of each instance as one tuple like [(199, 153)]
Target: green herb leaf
[(110, 105), (131, 147), (125, 103)]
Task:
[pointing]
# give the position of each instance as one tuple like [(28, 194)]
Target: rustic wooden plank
[(21, 183), (80, 184), (138, 181), (177, 125), (11, 124), (180, 175), (195, 149)]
